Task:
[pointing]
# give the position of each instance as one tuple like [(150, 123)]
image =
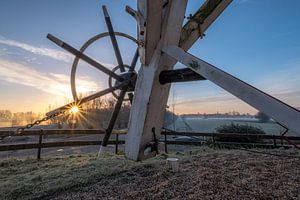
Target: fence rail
[(41, 133), (34, 132), (11, 147)]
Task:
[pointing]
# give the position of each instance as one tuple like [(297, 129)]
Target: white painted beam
[(150, 97), (201, 21), (149, 30), (276, 109)]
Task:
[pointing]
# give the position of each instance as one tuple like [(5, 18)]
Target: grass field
[(29, 178), (209, 125), (204, 174)]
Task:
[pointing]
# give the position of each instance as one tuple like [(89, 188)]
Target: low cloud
[(57, 84), (216, 99), (282, 81), (52, 53)]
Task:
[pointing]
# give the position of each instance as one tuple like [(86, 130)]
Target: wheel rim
[(83, 48)]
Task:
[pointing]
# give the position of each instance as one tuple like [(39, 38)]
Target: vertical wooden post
[(117, 143), (149, 103), (150, 96), (213, 140), (274, 141), (166, 150), (149, 29), (40, 144)]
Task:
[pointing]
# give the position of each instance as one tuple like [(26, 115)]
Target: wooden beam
[(32, 132), (201, 21), (149, 30), (10, 147), (70, 132), (276, 109), (148, 90), (150, 96)]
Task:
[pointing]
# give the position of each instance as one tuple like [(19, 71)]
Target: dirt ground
[(217, 175)]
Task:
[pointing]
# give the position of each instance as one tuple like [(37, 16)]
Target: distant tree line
[(224, 115), (19, 118), (96, 114), (5, 115)]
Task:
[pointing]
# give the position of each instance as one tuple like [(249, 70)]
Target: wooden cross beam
[(147, 113), (201, 21), (286, 115)]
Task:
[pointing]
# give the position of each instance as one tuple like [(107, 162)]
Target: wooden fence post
[(40, 145), (117, 143), (274, 141), (213, 140), (166, 150)]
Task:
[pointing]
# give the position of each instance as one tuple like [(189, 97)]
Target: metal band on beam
[(201, 21), (179, 75)]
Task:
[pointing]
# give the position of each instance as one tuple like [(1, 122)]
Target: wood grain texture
[(149, 105), (150, 33), (150, 96)]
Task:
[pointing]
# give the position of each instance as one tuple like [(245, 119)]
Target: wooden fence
[(116, 142)]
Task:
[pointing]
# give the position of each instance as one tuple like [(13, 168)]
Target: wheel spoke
[(119, 103), (84, 57), (132, 66), (134, 60), (88, 98), (113, 38), (114, 116)]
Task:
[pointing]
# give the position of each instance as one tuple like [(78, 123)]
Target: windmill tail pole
[(278, 110)]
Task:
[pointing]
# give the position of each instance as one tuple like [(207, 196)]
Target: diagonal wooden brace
[(278, 110)]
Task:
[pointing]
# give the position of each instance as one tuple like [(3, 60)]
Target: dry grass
[(206, 174), (29, 178)]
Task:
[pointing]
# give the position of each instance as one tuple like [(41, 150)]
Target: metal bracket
[(141, 23), (153, 145), (179, 75)]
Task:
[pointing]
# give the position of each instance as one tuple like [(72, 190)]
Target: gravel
[(229, 174)]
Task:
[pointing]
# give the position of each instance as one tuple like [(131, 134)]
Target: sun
[(74, 109)]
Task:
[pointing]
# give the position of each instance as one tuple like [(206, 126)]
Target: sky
[(257, 41)]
